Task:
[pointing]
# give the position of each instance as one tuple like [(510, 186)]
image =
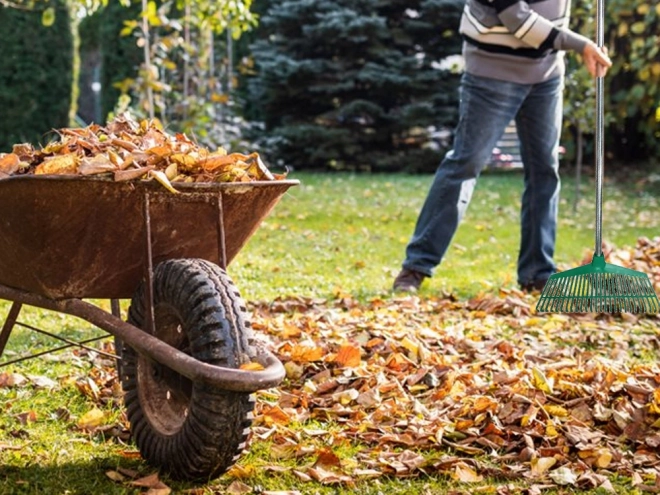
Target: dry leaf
[(58, 165), (540, 382), (348, 356), (115, 476), (254, 366), (541, 465), (464, 473), (238, 488), (563, 476), (91, 419), (9, 163)]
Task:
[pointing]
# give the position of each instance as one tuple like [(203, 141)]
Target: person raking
[(514, 69)]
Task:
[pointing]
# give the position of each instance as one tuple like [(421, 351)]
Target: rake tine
[(613, 291)]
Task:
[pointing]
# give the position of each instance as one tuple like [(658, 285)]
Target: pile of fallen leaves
[(125, 149), (470, 389), (478, 389), (644, 257)]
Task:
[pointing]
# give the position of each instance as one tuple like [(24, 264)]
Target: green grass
[(338, 233), (348, 233)]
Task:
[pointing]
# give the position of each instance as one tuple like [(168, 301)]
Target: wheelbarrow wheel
[(191, 430)]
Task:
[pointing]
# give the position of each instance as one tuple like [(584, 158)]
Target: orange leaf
[(276, 415), (58, 165), (9, 163), (306, 354), (348, 356)]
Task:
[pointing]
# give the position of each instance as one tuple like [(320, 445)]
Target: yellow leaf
[(541, 465), (252, 367), (540, 382), (91, 419), (551, 430), (345, 397), (555, 411), (411, 346), (604, 458), (293, 370), (172, 171), (162, 178)]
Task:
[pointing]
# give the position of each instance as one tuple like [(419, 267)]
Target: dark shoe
[(408, 280), (534, 286)]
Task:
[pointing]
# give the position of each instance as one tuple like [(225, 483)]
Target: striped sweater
[(517, 40)]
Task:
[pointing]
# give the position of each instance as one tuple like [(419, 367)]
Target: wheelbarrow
[(187, 358)]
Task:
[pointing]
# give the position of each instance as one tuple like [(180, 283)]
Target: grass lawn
[(348, 233), (335, 234)]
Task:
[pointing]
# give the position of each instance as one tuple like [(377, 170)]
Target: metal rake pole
[(600, 125)]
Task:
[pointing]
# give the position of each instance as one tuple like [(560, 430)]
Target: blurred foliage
[(36, 72), (185, 77), (632, 97), (188, 74), (633, 36)]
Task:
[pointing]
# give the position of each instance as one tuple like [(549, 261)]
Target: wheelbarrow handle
[(225, 378)]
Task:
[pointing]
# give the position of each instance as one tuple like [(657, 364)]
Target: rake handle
[(600, 125)]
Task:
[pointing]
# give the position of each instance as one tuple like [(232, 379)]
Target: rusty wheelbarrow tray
[(67, 238)]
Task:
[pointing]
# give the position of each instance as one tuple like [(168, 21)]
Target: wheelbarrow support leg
[(222, 242), (12, 316), (148, 270)]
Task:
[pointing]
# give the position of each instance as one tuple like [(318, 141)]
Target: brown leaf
[(152, 482), (12, 380), (327, 477), (238, 488), (327, 458), (26, 417), (276, 415)]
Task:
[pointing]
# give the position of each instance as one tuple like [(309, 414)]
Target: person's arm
[(538, 32)]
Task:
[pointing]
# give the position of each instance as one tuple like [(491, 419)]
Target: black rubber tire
[(190, 430)]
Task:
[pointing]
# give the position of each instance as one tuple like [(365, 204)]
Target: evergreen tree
[(356, 84), (36, 74)]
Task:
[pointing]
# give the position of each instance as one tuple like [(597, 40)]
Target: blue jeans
[(486, 107)]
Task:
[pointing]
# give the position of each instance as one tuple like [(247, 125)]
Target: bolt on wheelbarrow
[(64, 239)]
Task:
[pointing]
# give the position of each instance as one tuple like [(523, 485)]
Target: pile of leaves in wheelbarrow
[(126, 149)]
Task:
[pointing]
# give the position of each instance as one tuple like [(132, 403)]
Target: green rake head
[(599, 287)]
